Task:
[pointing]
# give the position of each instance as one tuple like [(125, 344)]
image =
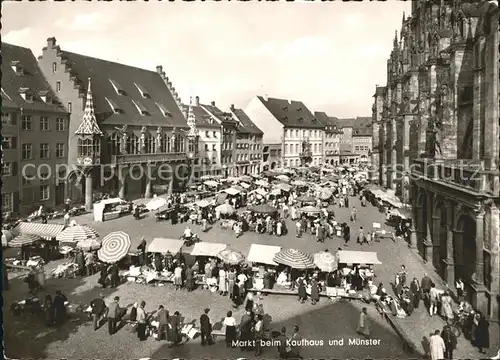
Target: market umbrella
[(114, 247), (284, 187), (24, 239), (263, 209), (231, 257), (156, 203), (295, 259), (202, 203), (306, 199), (325, 261), (74, 234), (283, 178), (310, 210), (225, 209), (276, 192), (245, 178), (261, 191), (325, 194), (299, 183), (89, 244)]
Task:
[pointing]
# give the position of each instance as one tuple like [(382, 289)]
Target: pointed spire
[(89, 126), (191, 119), (396, 40), (404, 17)]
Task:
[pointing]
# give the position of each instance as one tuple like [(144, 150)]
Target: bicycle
[(457, 324)]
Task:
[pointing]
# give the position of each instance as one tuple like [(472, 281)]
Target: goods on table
[(64, 270), (146, 275)]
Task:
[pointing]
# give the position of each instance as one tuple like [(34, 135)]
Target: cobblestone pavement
[(334, 319)]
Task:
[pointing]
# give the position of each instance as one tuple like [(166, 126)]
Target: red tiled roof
[(247, 125), (31, 78), (130, 80), (290, 113)]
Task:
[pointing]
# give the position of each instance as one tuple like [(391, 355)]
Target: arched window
[(150, 144), (165, 147), (133, 145), (180, 143), (96, 147), (114, 144), (84, 147)]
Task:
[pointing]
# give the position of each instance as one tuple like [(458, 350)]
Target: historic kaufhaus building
[(436, 139)]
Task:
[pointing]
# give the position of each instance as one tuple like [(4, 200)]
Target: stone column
[(384, 155), (420, 222), (89, 198), (428, 231), (436, 239), (122, 179), (394, 154), (479, 300), (494, 237), (458, 239), (449, 261), (148, 194)]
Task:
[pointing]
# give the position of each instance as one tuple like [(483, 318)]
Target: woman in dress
[(363, 327), (231, 278), (175, 324), (222, 282), (49, 311), (190, 279), (446, 309), (314, 291), (302, 289), (230, 324), (249, 302)]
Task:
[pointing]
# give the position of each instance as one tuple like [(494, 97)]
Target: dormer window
[(300, 119), (144, 92), (26, 94), (140, 107), (285, 118), (17, 67), (119, 90), (114, 107), (299, 109), (285, 108), (314, 120), (164, 110), (44, 95)]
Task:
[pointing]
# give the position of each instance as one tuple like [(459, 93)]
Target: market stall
[(156, 203), (45, 231), (109, 209), (207, 250), (163, 245), (115, 246), (74, 234), (361, 258), (263, 254)]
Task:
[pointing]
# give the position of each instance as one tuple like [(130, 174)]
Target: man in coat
[(205, 328), (437, 346), (450, 342), (426, 284), (415, 290), (113, 315), (98, 309), (162, 318)]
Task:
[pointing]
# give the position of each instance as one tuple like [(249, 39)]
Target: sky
[(330, 55)]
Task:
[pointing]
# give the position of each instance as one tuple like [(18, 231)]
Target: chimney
[(266, 97), (51, 42), (232, 107), (197, 101), (212, 103), (159, 69)]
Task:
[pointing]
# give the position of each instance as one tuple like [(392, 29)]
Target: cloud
[(17, 36), (94, 21)]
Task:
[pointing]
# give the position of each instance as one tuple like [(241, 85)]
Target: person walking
[(426, 284), (437, 346), (284, 349), (433, 299), (230, 324), (205, 328), (415, 290), (49, 310), (89, 263), (363, 327), (353, 214), (113, 315), (141, 322), (446, 307), (190, 284), (302, 293), (175, 324), (162, 318), (450, 342), (178, 277), (314, 291), (98, 310), (296, 343), (231, 278), (115, 275), (259, 334), (60, 308), (222, 282), (346, 234), (482, 334)]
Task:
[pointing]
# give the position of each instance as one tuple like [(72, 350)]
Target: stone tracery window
[(133, 144), (114, 144), (150, 144)]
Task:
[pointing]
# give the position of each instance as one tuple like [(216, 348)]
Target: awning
[(162, 245), (263, 254), (231, 191), (262, 183), (284, 187), (244, 185), (46, 231), (211, 183), (24, 239), (207, 249), (358, 257), (261, 191)]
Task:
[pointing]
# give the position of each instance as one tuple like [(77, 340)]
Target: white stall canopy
[(100, 206), (263, 254), (358, 257), (207, 249), (162, 245)]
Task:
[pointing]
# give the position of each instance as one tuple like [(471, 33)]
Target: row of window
[(227, 145), (8, 199), (297, 134), (253, 147), (291, 149), (296, 162), (330, 145), (331, 136), (227, 159), (361, 148), (44, 151), (27, 123), (209, 134), (246, 157), (133, 145)]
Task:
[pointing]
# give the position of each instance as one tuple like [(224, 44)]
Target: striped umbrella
[(325, 261), (24, 239), (231, 257), (88, 244), (114, 247), (295, 259), (74, 234)]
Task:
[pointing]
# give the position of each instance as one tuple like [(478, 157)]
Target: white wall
[(272, 128)]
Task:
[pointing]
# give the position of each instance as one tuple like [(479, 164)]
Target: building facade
[(34, 136), (144, 143), (271, 156), (331, 138), (248, 143), (362, 138), (293, 125), (439, 140)]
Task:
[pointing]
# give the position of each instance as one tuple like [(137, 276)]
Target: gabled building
[(248, 143), (34, 136), (228, 137), (362, 138), (210, 140), (347, 154), (331, 138), (144, 132), (291, 124)]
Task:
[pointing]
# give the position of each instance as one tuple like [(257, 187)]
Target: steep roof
[(362, 126), (379, 90), (220, 115), (29, 78), (203, 120), (346, 123), (290, 113), (145, 98), (325, 119), (246, 124)]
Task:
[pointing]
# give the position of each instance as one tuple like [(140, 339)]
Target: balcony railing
[(465, 173), (144, 158)]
